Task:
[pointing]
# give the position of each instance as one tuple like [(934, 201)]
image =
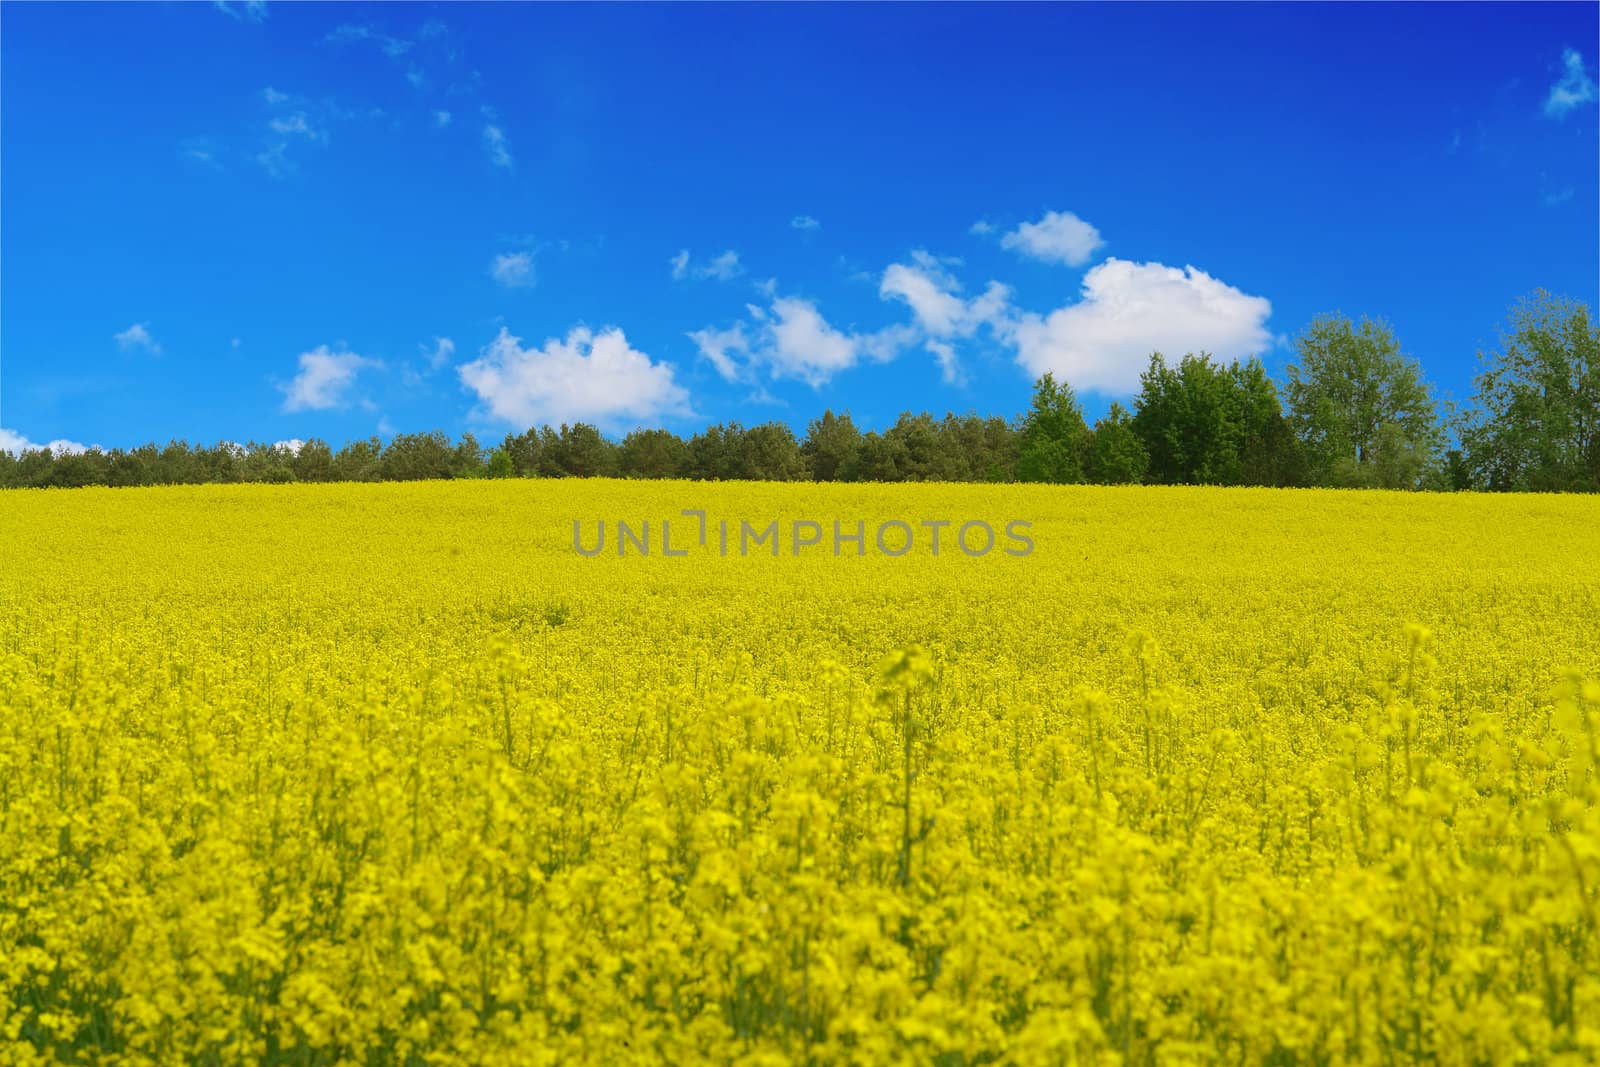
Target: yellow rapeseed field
[(391, 774)]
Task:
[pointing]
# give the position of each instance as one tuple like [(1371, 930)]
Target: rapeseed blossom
[(391, 774)]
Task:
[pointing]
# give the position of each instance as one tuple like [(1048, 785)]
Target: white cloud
[(292, 446), (805, 346), (324, 379), (137, 336), (296, 124), (249, 11), (1574, 89), (494, 142), (199, 150), (933, 294), (587, 377), (724, 267), (273, 96), (981, 228), (949, 366), (514, 270), (1059, 237), (793, 340), (17, 444), (273, 160), (929, 290), (1129, 310), (441, 118), (719, 347), (805, 222), (443, 349)]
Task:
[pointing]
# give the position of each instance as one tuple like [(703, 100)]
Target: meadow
[(390, 774)]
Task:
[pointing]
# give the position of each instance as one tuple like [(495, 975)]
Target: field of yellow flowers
[(393, 775)]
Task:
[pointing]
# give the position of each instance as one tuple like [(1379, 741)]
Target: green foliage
[(832, 448), (1538, 427), (1054, 435), (1360, 408), (1116, 454), (652, 454), (1205, 423), (501, 465)]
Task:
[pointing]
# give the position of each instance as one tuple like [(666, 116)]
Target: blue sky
[(284, 221)]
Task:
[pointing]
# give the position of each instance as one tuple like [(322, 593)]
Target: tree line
[(1354, 411)]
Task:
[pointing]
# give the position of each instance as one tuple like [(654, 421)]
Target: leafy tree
[(875, 461), (359, 461), (652, 454), (713, 453), (1116, 455), (922, 453), (769, 452), (314, 462), (832, 447), (417, 456), (1054, 435), (525, 450), (501, 465), (979, 449), (1538, 427), (467, 461), (1269, 453), (1359, 407), (1205, 423), (576, 451)]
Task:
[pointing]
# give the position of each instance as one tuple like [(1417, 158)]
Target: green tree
[(314, 462), (832, 447), (413, 457), (1116, 456), (358, 461), (1359, 406), (652, 454), (769, 452), (1538, 423), (501, 465), (923, 454), (576, 451), (524, 449), (1054, 435)]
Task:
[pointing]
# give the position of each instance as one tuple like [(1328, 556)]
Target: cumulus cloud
[(16, 444), (981, 228), (792, 339), (324, 379), (723, 349), (1059, 237), (1573, 90), (514, 270), (724, 267), (1129, 310), (137, 337), (596, 377), (805, 222), (292, 446), (934, 296)]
